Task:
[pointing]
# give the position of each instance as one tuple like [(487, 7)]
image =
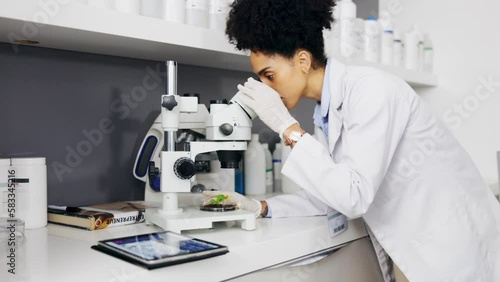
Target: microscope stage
[(193, 218)]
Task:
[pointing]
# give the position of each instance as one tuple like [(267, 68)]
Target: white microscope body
[(227, 129)]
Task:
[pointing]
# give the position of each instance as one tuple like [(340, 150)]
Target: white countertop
[(59, 253)]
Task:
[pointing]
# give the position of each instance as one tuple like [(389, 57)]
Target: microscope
[(226, 130)]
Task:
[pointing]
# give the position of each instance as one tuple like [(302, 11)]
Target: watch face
[(295, 136)]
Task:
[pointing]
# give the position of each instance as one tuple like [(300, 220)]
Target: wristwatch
[(294, 137)]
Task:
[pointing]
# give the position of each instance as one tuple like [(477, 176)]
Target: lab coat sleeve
[(374, 121), (300, 203)]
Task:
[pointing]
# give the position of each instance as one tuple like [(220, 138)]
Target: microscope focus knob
[(226, 129), (184, 168), (169, 102)]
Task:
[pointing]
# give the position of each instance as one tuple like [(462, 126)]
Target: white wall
[(466, 39)]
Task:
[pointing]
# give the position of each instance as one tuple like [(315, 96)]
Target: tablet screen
[(160, 245)]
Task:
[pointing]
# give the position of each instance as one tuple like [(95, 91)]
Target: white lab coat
[(390, 161)]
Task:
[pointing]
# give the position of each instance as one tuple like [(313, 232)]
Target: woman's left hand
[(267, 104)]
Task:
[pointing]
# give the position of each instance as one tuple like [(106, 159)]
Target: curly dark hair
[(280, 26)]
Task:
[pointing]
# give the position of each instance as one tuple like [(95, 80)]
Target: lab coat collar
[(336, 78)]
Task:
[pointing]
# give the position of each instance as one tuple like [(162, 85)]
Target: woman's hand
[(267, 104), (239, 200)]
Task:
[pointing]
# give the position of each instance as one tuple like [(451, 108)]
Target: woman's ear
[(304, 59)]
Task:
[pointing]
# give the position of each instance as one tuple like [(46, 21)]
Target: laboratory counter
[(60, 253)]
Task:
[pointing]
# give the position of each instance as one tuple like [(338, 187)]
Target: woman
[(387, 159)]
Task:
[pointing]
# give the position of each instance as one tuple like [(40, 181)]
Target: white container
[(277, 168), (269, 168), (31, 186), (151, 8), (372, 34), (218, 10), (428, 54), (386, 47), (347, 16), (397, 50), (411, 49), (128, 6), (4, 187), (287, 185), (255, 168), (335, 32), (174, 11), (102, 4), (420, 47), (197, 12)]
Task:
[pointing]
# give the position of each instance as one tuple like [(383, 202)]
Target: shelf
[(82, 28), (414, 78)]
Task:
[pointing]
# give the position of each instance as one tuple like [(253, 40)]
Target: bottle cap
[(372, 18)]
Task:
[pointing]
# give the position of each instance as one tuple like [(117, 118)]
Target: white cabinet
[(69, 25)]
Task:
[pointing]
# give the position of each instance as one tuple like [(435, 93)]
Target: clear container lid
[(28, 161)]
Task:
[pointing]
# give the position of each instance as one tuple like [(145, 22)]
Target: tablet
[(160, 249)]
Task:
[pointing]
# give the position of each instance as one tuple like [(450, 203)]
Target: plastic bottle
[(197, 12), (428, 54), (128, 6), (397, 50), (420, 47), (335, 32), (269, 168), (174, 11), (373, 31), (411, 48), (255, 168), (151, 8), (287, 185), (387, 44), (218, 11), (347, 15), (4, 187), (277, 168)]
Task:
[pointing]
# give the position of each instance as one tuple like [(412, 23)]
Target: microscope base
[(194, 218)]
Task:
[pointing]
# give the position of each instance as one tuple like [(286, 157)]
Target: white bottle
[(197, 12), (335, 32), (397, 50), (269, 168), (387, 44), (420, 47), (288, 186), (218, 10), (411, 48), (4, 187), (174, 11), (255, 168), (31, 186), (373, 31), (428, 54), (277, 168), (347, 15), (128, 6), (151, 8)]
